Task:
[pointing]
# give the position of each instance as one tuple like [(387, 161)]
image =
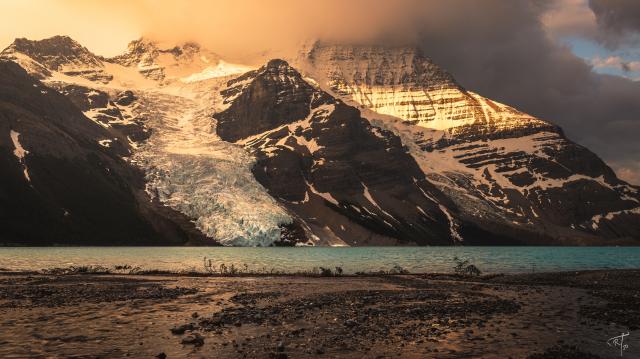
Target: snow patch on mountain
[(105, 143), (609, 216), (20, 153), (220, 70)]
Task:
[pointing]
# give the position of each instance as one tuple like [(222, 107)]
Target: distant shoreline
[(70, 271), (232, 261)]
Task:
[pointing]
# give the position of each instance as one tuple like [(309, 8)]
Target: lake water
[(415, 259)]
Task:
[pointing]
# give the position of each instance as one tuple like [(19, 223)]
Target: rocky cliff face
[(508, 172)]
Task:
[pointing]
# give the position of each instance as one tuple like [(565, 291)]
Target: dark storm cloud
[(618, 20)]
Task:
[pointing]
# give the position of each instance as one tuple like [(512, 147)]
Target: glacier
[(187, 166)]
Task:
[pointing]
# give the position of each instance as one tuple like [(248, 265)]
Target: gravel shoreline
[(541, 315)]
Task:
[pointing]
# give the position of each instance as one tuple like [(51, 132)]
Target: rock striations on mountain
[(508, 172)]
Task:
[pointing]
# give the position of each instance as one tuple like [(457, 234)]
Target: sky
[(572, 62)]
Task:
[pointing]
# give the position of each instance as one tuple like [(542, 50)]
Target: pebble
[(179, 330), (193, 339)]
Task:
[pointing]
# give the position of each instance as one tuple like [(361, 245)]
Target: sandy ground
[(553, 315)]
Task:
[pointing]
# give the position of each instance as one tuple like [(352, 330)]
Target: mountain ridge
[(495, 175)]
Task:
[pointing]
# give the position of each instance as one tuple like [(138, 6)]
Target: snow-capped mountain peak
[(377, 65), (145, 64), (187, 61), (504, 168), (56, 54), (400, 81)]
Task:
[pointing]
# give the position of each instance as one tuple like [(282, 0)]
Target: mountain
[(202, 183), (349, 183), (508, 172), (62, 182), (342, 145), (188, 62), (58, 53), (166, 125)]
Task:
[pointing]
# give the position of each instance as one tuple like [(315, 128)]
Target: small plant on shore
[(233, 270), (208, 265), (126, 269), (397, 269), (465, 267), (211, 268), (325, 272), (78, 270)]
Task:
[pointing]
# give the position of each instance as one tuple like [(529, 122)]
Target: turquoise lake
[(354, 259)]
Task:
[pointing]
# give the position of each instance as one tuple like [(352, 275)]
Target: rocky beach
[(535, 315)]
